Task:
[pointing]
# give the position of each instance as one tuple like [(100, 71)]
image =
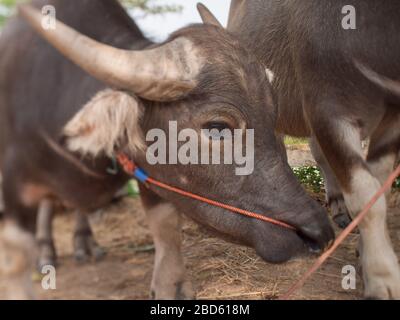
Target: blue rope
[(141, 175)]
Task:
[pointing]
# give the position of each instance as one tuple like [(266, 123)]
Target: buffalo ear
[(108, 123), (207, 16)]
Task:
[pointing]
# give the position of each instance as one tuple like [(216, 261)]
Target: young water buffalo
[(83, 241), (322, 92), (202, 78)]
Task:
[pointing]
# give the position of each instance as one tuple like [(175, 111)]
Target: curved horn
[(207, 16), (164, 73)]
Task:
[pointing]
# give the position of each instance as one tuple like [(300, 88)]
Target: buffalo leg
[(334, 195), (84, 243), (1, 196), (281, 145), (381, 272), (17, 240), (382, 156), (384, 147), (17, 259), (44, 235), (169, 275)]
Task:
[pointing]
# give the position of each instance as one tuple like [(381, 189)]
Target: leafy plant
[(311, 177), (396, 184), (133, 188), (6, 9), (151, 7)]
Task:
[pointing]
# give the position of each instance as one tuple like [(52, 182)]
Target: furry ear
[(107, 123), (207, 16)]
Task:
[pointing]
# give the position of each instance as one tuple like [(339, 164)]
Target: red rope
[(219, 204), (130, 167)]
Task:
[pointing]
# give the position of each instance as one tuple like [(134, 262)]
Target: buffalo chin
[(277, 245)]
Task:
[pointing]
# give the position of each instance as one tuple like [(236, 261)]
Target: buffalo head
[(201, 78)]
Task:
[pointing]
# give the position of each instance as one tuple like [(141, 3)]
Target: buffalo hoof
[(86, 248), (342, 220), (184, 291), (383, 291), (339, 211), (180, 291), (373, 298), (382, 280)]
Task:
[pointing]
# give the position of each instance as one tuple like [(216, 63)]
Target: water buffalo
[(84, 244), (324, 91), (62, 121)]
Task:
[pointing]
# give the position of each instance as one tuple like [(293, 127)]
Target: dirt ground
[(219, 270)]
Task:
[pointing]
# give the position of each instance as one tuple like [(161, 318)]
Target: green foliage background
[(6, 7)]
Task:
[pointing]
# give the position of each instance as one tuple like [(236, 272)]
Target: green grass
[(293, 140), (133, 188)]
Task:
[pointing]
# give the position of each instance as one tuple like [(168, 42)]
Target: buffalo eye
[(218, 130)]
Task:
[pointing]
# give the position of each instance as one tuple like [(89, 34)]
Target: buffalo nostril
[(313, 247), (316, 237)]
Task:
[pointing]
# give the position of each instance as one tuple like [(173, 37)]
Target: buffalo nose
[(318, 237)]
